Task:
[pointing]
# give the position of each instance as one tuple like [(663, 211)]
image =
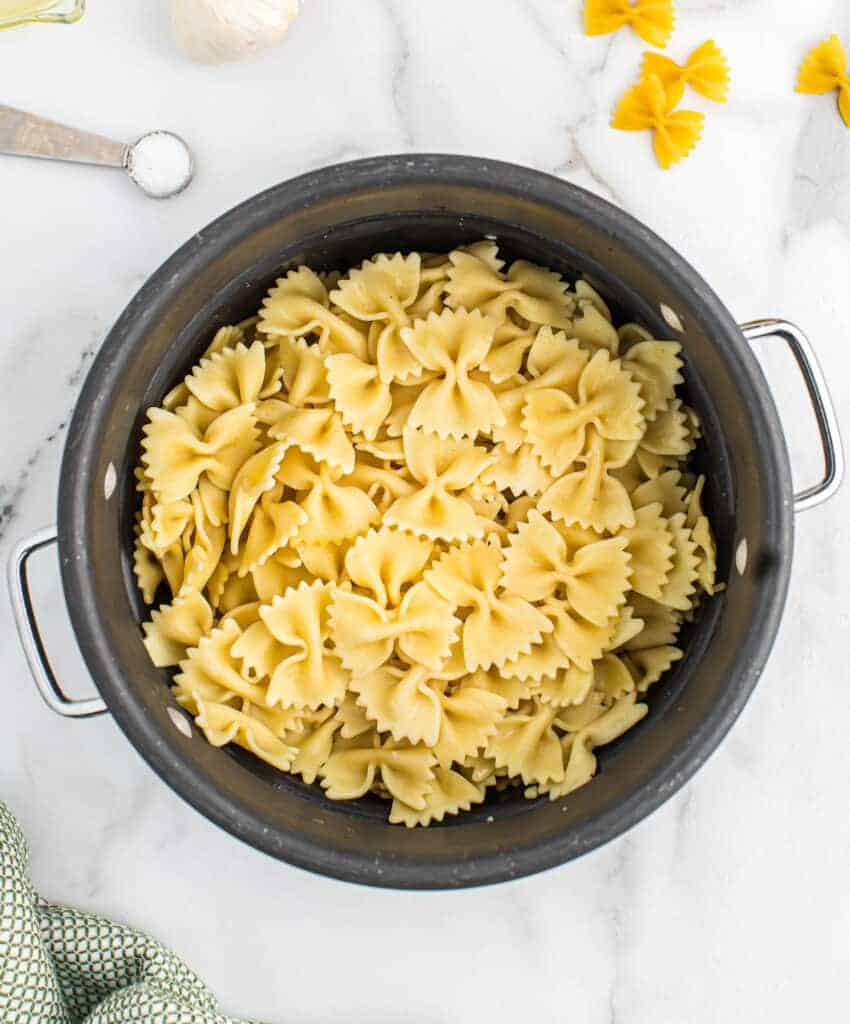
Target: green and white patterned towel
[(61, 966)]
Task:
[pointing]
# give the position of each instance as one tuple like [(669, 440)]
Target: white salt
[(161, 164)]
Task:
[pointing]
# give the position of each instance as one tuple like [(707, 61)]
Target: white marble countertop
[(732, 902)]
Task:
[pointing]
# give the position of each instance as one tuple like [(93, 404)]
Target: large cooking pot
[(333, 218)]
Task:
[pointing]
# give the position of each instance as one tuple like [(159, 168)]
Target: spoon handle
[(23, 134)]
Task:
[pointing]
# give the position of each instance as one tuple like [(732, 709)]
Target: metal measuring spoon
[(160, 163)]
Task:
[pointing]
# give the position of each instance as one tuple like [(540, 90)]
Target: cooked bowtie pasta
[(425, 528)]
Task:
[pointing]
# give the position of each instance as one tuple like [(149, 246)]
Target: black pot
[(332, 219)]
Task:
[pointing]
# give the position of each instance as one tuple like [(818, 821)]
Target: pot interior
[(333, 221)]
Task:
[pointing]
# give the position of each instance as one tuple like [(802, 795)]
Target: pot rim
[(86, 428)]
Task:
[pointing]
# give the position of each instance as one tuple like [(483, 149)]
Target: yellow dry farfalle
[(826, 69), (652, 20)]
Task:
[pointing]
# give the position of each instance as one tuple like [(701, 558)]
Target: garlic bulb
[(214, 31)]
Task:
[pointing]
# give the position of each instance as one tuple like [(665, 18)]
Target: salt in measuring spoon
[(160, 162)]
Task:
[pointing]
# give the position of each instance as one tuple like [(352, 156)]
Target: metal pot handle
[(31, 639), (824, 410)]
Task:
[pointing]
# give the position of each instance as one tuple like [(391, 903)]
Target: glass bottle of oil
[(19, 12)]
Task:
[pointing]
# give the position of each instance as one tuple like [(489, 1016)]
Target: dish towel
[(61, 966)]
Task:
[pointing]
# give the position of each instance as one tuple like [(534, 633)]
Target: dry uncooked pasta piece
[(706, 71), (648, 106), (824, 69), (652, 20)]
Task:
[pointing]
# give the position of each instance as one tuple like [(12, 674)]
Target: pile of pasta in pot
[(427, 529)]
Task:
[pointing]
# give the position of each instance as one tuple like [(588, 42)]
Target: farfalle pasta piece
[(543, 661), (526, 744), (212, 670), (706, 71), (175, 627), (256, 476), (175, 457), (383, 486), (567, 687), (452, 345), (652, 20), (520, 471), (594, 577), (410, 703), (824, 69), (312, 674), (334, 511), (650, 544), (405, 771), (204, 550), (386, 561), (578, 747), (681, 583), (500, 625), (499, 682), (668, 433), (274, 524), (382, 291), (666, 489), (222, 724), (533, 293), (325, 561), (298, 307), (278, 573), (660, 628), (442, 468), (655, 366), (608, 399), (510, 344), (582, 641), (147, 570), (648, 106), (554, 362), (359, 394), (231, 377), (366, 633), (304, 372), (313, 745), (591, 496), (449, 793), (319, 432), (648, 665)]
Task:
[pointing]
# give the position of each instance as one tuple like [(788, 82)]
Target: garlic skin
[(216, 31)]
